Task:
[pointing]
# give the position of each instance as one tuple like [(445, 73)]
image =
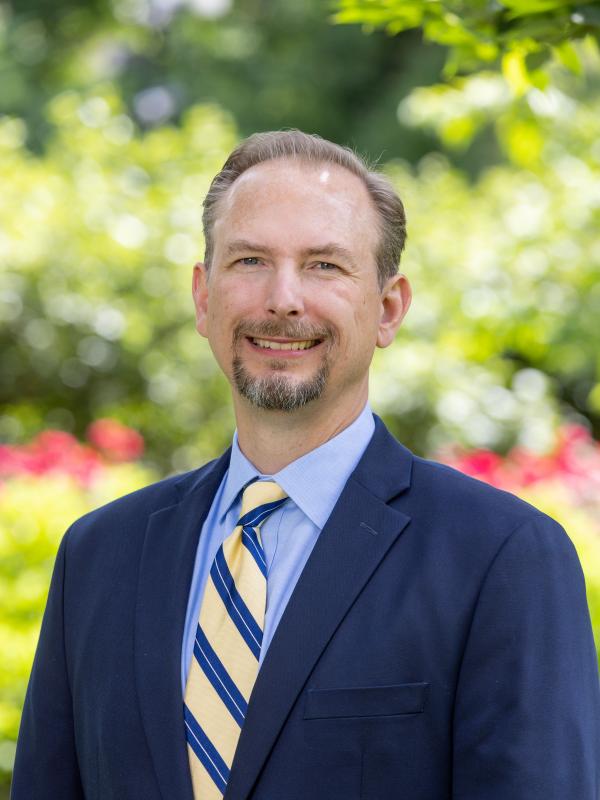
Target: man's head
[(298, 288), (309, 149)]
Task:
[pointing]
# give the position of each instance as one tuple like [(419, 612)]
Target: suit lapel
[(359, 533), (164, 583)]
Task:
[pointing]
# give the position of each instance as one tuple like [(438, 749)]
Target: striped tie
[(228, 642)]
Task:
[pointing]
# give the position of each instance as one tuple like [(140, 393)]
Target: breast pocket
[(360, 718)]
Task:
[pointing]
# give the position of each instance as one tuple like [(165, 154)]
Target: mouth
[(280, 345)]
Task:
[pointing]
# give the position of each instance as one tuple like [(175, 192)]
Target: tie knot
[(259, 500)]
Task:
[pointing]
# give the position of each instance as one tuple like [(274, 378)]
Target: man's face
[(291, 304)]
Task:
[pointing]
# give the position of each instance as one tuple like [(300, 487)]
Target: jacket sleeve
[(46, 762), (527, 713)]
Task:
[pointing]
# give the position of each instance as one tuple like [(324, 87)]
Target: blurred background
[(115, 115)]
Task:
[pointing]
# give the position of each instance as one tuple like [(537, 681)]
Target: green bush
[(44, 487), (523, 33), (100, 232), (98, 239)]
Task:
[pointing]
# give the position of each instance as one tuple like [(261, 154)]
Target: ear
[(200, 295), (395, 302)]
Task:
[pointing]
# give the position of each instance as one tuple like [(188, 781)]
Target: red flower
[(574, 464), (527, 467), (482, 464), (115, 441), (51, 452)]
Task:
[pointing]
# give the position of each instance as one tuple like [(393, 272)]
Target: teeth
[(267, 343)]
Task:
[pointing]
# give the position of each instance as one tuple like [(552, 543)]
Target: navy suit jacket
[(437, 645)]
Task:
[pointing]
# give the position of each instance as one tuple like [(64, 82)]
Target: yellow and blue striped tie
[(227, 647)]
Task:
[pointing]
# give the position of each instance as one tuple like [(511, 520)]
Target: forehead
[(298, 200)]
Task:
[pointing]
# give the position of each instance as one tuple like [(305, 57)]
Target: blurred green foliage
[(270, 64), (98, 238), (506, 270), (523, 34), (99, 234), (28, 544)]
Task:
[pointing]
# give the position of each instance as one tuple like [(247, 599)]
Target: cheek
[(219, 329), (235, 299), (221, 307), (229, 305), (355, 315), (366, 319)]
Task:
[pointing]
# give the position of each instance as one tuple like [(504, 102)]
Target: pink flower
[(527, 467), (51, 452), (573, 464), (482, 464), (115, 441)]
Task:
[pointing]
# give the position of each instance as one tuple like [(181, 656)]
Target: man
[(376, 625)]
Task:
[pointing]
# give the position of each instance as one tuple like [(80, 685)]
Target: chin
[(277, 391)]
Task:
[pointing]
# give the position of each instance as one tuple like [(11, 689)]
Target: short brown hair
[(295, 144)]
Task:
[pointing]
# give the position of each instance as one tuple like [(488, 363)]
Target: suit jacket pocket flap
[(370, 701)]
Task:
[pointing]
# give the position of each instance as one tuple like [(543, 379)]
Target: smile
[(269, 344)]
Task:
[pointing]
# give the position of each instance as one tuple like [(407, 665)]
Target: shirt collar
[(315, 480)]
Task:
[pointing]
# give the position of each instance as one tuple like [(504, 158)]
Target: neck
[(271, 440)]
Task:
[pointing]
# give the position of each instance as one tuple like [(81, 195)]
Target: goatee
[(279, 392)]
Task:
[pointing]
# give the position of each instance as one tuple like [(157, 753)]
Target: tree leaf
[(567, 55), (515, 71)]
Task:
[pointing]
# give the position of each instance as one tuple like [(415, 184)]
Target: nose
[(285, 297)]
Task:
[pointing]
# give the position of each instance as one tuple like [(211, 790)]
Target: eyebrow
[(331, 249), (327, 249), (237, 245)]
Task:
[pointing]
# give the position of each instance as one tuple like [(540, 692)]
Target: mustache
[(289, 330)]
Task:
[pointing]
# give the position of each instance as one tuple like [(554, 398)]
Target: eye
[(249, 261), (326, 266)]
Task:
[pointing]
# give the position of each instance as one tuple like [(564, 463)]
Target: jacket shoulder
[(133, 510), (448, 482), (476, 512)]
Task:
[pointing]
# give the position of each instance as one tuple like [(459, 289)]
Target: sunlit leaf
[(514, 70), (568, 56)]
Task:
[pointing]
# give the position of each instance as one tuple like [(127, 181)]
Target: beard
[(280, 392)]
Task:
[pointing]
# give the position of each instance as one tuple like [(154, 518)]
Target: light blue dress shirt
[(313, 483)]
